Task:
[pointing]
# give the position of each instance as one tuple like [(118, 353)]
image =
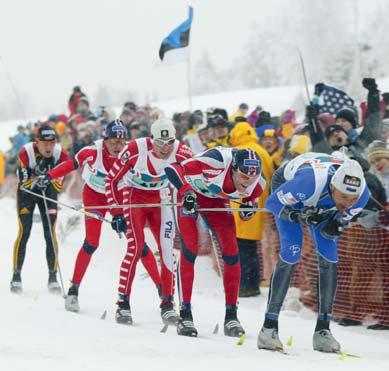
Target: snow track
[(36, 333)]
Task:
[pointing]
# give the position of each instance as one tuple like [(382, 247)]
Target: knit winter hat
[(347, 114), (377, 150)]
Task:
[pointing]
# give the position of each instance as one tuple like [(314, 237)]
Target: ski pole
[(256, 209), (132, 206), (306, 83), (52, 242), (82, 211)]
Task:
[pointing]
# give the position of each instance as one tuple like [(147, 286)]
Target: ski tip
[(216, 329), (241, 340), (344, 355), (103, 315), (290, 341), (164, 329)]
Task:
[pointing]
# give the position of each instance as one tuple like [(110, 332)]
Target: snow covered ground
[(36, 333)]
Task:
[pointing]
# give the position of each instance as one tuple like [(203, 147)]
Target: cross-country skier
[(35, 159), (96, 161), (141, 167), (322, 193), (210, 180)]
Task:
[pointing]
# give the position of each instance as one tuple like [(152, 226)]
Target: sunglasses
[(117, 141), (162, 142), (246, 176)]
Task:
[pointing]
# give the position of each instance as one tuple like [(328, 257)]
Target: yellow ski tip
[(241, 340)]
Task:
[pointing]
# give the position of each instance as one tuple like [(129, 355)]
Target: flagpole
[(189, 78)]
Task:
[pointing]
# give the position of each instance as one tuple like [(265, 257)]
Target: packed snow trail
[(36, 332)]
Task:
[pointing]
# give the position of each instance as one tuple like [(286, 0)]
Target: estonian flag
[(178, 38)]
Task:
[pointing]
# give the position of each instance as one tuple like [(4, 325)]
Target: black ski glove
[(246, 215), (310, 216), (189, 202), (370, 84), (41, 182), (333, 229), (119, 224)]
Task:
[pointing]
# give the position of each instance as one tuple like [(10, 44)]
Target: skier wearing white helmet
[(323, 193), (141, 165)]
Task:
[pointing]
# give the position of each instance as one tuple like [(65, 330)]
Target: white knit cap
[(163, 129), (348, 178)]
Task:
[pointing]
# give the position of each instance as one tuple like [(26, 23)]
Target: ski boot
[(16, 283), (185, 326), (71, 300), (232, 326), (268, 339), (324, 341), (168, 314), (53, 285), (123, 313)]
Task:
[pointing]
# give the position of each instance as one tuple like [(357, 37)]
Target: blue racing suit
[(304, 182)]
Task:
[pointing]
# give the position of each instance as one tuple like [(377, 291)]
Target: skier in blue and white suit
[(323, 193)]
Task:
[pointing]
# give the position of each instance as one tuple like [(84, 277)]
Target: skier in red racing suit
[(210, 180), (141, 166)]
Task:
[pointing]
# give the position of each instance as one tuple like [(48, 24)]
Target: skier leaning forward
[(322, 193), (141, 166), (96, 161), (210, 180)]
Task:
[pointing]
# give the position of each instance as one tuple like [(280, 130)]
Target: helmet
[(348, 178), (46, 133), (163, 129), (115, 129), (246, 161)]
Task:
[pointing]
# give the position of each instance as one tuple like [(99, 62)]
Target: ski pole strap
[(82, 211)]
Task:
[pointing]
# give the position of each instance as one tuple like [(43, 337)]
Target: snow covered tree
[(205, 77)]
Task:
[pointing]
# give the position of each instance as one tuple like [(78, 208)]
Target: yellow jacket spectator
[(2, 168), (219, 128), (244, 136), (241, 112), (288, 124), (274, 146)]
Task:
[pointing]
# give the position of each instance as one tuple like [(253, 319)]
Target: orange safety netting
[(363, 275)]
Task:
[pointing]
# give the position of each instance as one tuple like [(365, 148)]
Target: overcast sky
[(48, 46)]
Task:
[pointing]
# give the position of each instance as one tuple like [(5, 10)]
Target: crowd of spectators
[(358, 133)]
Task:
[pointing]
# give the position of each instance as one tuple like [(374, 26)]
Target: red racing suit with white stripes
[(96, 162), (209, 174), (143, 173)]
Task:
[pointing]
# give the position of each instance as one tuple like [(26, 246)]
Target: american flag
[(331, 99)]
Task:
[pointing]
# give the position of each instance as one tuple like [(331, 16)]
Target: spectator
[(288, 124), (378, 157), (249, 231), (134, 130), (130, 105), (241, 112), (346, 119), (263, 123), (20, 139), (74, 99), (83, 108), (385, 130), (273, 145), (127, 116), (192, 138), (219, 128), (253, 116)]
